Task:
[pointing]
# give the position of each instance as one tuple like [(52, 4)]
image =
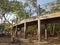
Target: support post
[(16, 27), (39, 34), (16, 31), (45, 31), (25, 29), (53, 28)]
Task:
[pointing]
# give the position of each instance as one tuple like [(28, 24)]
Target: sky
[(43, 1)]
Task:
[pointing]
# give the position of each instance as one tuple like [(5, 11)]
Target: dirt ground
[(7, 41)]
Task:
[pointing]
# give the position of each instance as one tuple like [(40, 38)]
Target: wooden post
[(39, 34), (25, 29), (16, 27), (46, 34), (45, 31), (53, 28), (16, 31)]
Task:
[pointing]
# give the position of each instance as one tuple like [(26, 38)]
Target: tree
[(30, 6), (17, 8), (57, 1), (56, 7), (4, 8)]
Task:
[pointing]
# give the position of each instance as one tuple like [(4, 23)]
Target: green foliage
[(50, 26), (2, 27), (32, 28), (41, 11), (5, 5), (57, 26), (54, 9), (17, 8), (57, 1), (57, 7), (29, 4)]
